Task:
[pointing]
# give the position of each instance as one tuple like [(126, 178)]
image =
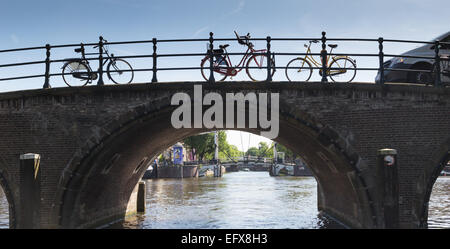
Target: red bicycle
[(255, 61)]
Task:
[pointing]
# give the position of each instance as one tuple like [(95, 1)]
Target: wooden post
[(29, 191), (140, 203), (387, 179)]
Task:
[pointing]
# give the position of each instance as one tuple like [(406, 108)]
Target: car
[(416, 63)]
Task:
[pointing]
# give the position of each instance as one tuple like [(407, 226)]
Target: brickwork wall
[(65, 125)]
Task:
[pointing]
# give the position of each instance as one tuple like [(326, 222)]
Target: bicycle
[(444, 70), (341, 68), (78, 72), (256, 64)]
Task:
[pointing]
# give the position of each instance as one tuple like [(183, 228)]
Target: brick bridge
[(94, 141)]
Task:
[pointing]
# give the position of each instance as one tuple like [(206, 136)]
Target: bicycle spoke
[(343, 70), (120, 71)]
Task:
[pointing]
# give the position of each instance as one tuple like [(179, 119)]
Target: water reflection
[(4, 210), (439, 207), (238, 200), (244, 200)]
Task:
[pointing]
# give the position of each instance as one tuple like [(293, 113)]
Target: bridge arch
[(440, 159), (9, 197), (95, 186)]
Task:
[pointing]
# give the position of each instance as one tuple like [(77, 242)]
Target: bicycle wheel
[(343, 70), (220, 69), (295, 72), (76, 73), (120, 71), (257, 67)]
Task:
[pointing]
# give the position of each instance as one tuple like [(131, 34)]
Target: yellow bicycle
[(341, 68)]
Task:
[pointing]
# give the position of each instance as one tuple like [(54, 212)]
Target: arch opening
[(7, 214), (437, 214), (97, 195), (245, 196), (4, 210)]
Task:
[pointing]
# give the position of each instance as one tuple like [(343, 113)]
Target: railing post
[(211, 58), (269, 61), (154, 79), (381, 57), (100, 62), (437, 64), (323, 54), (47, 67)]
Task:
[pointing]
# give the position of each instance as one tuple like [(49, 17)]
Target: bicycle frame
[(232, 71), (92, 73), (83, 56), (308, 57)]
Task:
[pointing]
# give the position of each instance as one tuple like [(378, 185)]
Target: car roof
[(441, 36)]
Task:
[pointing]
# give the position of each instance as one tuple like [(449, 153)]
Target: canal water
[(237, 200), (244, 200)]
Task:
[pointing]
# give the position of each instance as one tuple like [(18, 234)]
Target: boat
[(445, 171)]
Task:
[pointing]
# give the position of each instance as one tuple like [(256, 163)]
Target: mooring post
[(47, 67), (29, 191), (381, 58), (140, 203), (211, 57), (387, 179), (100, 62), (154, 79), (323, 55)]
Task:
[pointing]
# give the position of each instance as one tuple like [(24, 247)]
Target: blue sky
[(35, 23)]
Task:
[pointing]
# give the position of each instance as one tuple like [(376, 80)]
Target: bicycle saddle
[(332, 45), (77, 50), (224, 46)]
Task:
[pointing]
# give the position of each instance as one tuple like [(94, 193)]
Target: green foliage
[(252, 151), (204, 146), (263, 150), (288, 154)]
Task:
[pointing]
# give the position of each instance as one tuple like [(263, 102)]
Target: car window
[(446, 39), (444, 46)]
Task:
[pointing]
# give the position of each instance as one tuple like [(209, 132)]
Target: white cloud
[(14, 38), (239, 8), (199, 31)]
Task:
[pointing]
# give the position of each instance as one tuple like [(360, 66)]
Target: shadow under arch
[(9, 197), (96, 186), (441, 157)]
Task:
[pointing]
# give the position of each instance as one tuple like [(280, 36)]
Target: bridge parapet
[(44, 67)]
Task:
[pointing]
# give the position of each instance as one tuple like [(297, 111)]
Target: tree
[(203, 144), (205, 147), (288, 154), (252, 151), (264, 150)]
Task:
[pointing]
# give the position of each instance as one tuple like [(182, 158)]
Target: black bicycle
[(78, 72)]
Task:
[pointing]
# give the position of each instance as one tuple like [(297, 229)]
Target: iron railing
[(435, 69)]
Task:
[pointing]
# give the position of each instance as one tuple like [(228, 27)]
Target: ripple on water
[(439, 206), (244, 200), (4, 211)]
